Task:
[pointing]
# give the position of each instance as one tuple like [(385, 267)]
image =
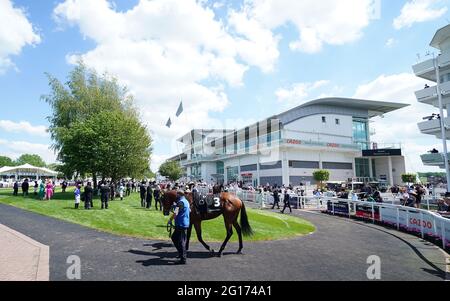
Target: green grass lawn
[(128, 218)]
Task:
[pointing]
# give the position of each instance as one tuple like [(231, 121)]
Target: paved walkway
[(338, 250), (21, 258)]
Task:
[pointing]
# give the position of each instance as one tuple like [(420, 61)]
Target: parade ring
[(337, 250)]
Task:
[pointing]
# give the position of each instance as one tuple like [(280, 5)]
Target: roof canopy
[(440, 36), (27, 169), (375, 108)]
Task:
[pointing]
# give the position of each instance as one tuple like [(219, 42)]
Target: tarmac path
[(338, 250)]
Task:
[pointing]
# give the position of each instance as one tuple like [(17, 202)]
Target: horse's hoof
[(219, 255), (212, 252)]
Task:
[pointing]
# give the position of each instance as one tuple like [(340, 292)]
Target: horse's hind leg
[(229, 228), (198, 230), (239, 232)]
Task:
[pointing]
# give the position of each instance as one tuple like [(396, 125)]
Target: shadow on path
[(168, 257)]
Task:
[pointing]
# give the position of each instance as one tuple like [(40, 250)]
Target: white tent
[(27, 170)]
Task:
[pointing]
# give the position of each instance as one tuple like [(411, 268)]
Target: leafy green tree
[(111, 144), (409, 178), (321, 176), (34, 160), (94, 126), (171, 170), (6, 161)]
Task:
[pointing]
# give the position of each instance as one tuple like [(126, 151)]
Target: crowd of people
[(151, 192), (42, 189), (110, 190)]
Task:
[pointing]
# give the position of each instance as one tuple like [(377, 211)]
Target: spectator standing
[(157, 196), (142, 191), (41, 191), (420, 192), (64, 186), (287, 203), (276, 199), (48, 190), (104, 191), (121, 190), (36, 186), (16, 188), (88, 196), (25, 187), (77, 193), (128, 191), (149, 196)]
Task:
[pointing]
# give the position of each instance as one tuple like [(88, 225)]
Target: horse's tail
[(245, 226)]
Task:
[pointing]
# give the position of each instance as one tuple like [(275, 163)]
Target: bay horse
[(230, 206)]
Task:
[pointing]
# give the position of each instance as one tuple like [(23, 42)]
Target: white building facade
[(429, 70), (285, 149)]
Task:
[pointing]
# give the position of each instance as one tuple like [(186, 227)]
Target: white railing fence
[(389, 212), (414, 220)]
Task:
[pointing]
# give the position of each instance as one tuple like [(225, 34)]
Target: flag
[(180, 109), (169, 123)]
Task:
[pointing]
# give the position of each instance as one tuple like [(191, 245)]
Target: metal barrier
[(414, 220), (266, 198)]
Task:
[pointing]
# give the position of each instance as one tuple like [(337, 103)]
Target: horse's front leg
[(198, 230), (189, 231)]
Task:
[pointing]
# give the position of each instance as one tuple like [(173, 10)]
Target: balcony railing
[(426, 70), (430, 95), (433, 159), (433, 127), (376, 145)]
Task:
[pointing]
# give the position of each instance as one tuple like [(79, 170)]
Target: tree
[(171, 170), (6, 161), (111, 144), (95, 127), (409, 178), (321, 175), (34, 160)]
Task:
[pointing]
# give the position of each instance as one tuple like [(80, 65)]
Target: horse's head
[(167, 201)]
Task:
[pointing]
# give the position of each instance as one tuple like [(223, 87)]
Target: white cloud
[(318, 22), (15, 33), (170, 50), (23, 127), (401, 126), (298, 92), (416, 11), (15, 149), (390, 42)]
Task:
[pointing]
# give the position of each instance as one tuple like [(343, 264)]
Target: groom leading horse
[(228, 205)]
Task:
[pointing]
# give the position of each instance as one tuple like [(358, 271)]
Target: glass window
[(362, 168), (338, 121), (232, 173), (360, 134), (324, 119), (219, 167)]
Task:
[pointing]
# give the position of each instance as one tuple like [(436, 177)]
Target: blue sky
[(230, 62)]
